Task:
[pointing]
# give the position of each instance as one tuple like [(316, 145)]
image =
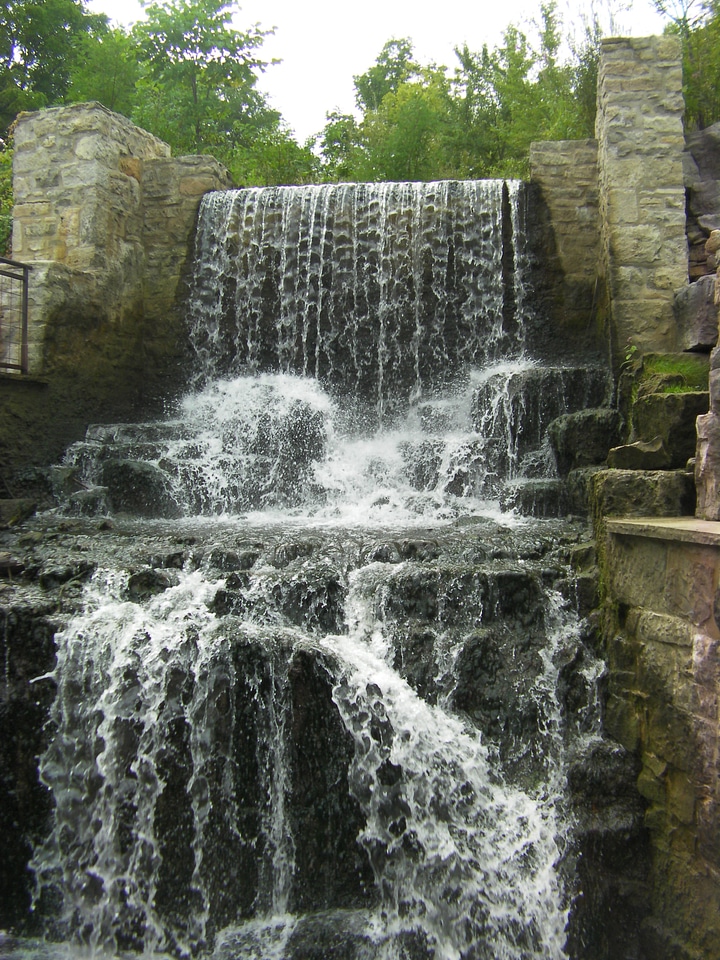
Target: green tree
[(395, 64), (406, 137), (697, 23), (6, 200), (197, 85), (37, 41), (341, 147), (272, 157), (106, 70)]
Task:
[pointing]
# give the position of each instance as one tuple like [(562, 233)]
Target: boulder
[(670, 416), (641, 455), (696, 315), (707, 467), (140, 488), (583, 439), (643, 493)]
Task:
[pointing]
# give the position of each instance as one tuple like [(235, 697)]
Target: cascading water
[(316, 713)]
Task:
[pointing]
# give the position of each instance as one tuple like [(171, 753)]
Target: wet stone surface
[(466, 615)]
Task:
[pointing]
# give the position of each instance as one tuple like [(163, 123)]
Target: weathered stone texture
[(696, 315), (105, 218), (662, 644), (104, 215), (566, 172), (642, 202)]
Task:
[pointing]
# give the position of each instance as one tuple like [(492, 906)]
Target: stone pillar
[(642, 199), (105, 217)]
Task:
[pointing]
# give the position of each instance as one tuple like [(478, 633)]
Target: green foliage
[(682, 372), (273, 158), (37, 40), (197, 87), (697, 23), (394, 65), (406, 138), (106, 69), (418, 123), (6, 200)]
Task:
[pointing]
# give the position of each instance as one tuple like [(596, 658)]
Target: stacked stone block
[(663, 650), (642, 206), (707, 455), (105, 217), (566, 172)]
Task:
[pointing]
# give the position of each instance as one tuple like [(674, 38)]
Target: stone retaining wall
[(640, 137), (617, 203), (105, 217), (662, 646)]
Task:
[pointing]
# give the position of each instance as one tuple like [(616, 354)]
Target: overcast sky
[(323, 43)]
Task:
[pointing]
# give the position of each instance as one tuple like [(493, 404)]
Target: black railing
[(14, 315)]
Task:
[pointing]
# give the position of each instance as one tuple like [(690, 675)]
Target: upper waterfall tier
[(379, 290)]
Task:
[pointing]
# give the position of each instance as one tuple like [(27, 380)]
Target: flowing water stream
[(326, 704)]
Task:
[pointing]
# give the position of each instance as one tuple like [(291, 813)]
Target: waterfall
[(182, 739), (310, 697), (378, 290)]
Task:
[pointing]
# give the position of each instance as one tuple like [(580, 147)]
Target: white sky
[(323, 43)]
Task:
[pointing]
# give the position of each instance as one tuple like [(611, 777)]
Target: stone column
[(104, 215), (642, 199)]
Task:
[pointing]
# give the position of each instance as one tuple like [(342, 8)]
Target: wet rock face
[(246, 709), (28, 651)]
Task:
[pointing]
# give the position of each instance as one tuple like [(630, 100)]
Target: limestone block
[(583, 439), (689, 589), (641, 455), (648, 493), (660, 628), (712, 245), (671, 416), (707, 467), (696, 315)]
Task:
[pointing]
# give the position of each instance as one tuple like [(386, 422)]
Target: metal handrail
[(19, 272)]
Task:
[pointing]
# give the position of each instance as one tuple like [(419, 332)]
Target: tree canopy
[(189, 75)]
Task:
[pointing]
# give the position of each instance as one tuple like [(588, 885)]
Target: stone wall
[(662, 645), (567, 174), (105, 217), (642, 206)]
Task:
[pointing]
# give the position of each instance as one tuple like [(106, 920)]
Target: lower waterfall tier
[(280, 740)]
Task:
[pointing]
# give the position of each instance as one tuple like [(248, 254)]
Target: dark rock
[(643, 493), (581, 591), (577, 486), (230, 560), (672, 417), (28, 651), (419, 550), (139, 488), (54, 575), (696, 315), (536, 498), (641, 455), (13, 512), (148, 583), (88, 503), (10, 565), (583, 439)]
